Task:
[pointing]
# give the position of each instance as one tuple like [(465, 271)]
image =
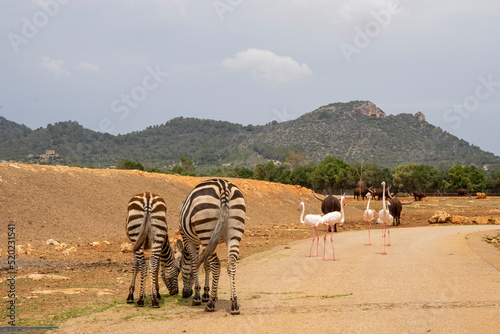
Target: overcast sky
[(120, 66)]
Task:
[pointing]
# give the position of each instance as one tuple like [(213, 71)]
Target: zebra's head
[(170, 269)]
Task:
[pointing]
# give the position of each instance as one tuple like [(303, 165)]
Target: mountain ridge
[(354, 131)]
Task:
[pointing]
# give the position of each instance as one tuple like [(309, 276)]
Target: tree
[(494, 179), (467, 177), (295, 159), (331, 173), (259, 172), (187, 165), (129, 164), (405, 177)]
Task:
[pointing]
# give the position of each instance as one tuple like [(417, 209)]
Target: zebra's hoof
[(130, 300), (187, 293), (196, 302), (235, 308), (140, 302), (210, 307), (205, 298), (155, 303)]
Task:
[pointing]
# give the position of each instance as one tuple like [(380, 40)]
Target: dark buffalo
[(418, 195), (463, 192), (378, 192), (329, 204), (361, 192), (395, 208)]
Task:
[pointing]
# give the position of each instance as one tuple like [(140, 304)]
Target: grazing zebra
[(147, 228), (213, 210)]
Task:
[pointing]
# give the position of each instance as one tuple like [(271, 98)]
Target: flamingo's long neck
[(303, 211), (368, 205), (383, 196), (342, 209)]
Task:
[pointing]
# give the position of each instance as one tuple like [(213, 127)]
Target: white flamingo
[(384, 217), (313, 221), (368, 217), (331, 219)]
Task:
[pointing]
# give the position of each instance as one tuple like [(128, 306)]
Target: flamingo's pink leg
[(333, 250), (369, 240), (384, 253), (312, 243), (388, 236), (317, 241), (324, 245)]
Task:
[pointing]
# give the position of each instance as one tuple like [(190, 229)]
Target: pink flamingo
[(313, 221), (331, 219), (384, 217), (368, 217)]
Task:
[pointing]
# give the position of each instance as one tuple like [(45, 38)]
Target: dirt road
[(440, 279)]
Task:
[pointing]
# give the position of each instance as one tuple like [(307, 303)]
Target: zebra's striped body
[(147, 228), (213, 211)]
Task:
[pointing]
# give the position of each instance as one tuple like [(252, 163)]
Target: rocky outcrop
[(370, 109), (420, 116)]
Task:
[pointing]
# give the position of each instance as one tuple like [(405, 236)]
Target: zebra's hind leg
[(206, 289), (215, 269), (231, 270), (130, 298), (144, 269), (153, 271)]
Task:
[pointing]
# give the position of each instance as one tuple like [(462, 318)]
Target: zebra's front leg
[(153, 272), (131, 289), (206, 289), (215, 269), (231, 270), (143, 268)]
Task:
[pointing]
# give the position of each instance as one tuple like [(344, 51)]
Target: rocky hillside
[(354, 132)]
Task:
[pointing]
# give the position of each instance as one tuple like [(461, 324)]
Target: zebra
[(147, 228), (214, 209)]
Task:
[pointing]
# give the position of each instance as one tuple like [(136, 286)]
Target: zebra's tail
[(143, 233), (216, 234)]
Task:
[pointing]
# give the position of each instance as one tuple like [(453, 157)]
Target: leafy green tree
[(405, 177), (302, 175), (259, 172), (187, 164), (295, 159), (331, 173), (494, 179), (129, 164), (467, 177)]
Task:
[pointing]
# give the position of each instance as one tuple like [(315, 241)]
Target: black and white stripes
[(147, 228), (213, 211)]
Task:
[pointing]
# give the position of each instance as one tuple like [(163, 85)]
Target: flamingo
[(368, 217), (384, 217), (313, 221), (331, 219)]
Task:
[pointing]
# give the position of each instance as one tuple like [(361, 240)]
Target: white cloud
[(88, 67), (266, 65), (56, 66)]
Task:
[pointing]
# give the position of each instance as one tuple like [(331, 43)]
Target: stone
[(126, 247), (456, 219), (440, 217)]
